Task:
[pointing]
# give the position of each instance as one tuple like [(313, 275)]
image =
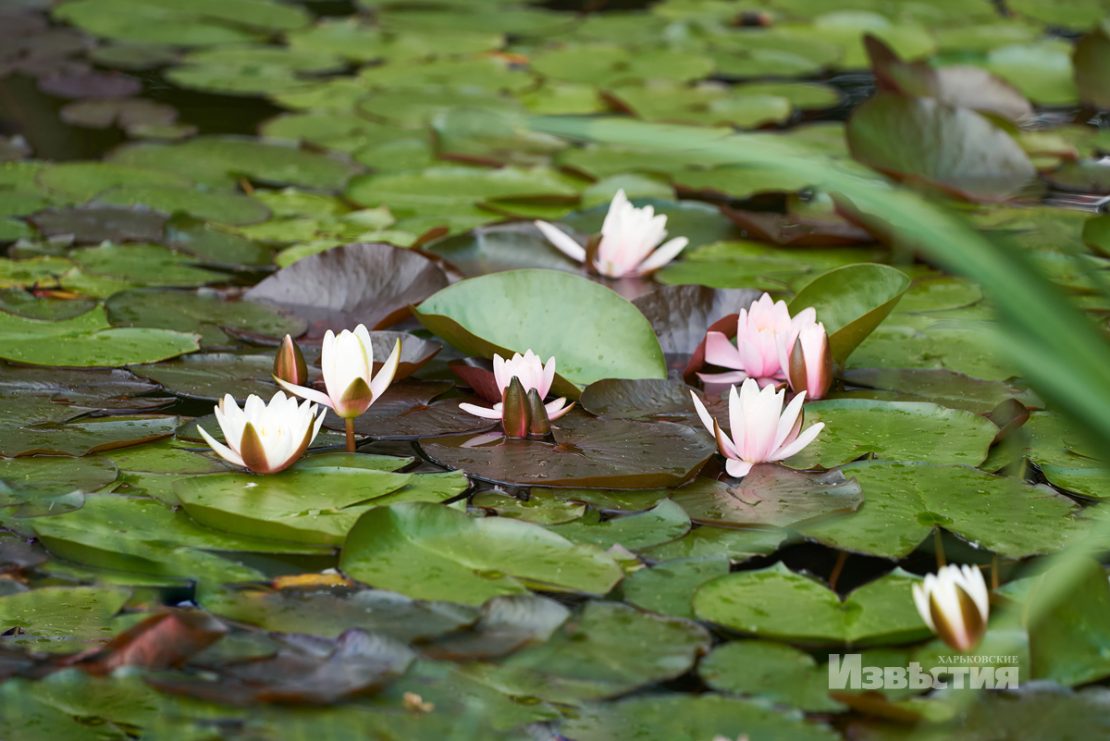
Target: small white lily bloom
[(955, 604), (762, 431), (532, 374), (347, 363), (631, 242), (266, 438)]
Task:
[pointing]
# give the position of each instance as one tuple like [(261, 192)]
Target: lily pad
[(82, 437), (668, 588), (777, 603), (773, 671), (922, 139), (87, 341), (372, 284), (519, 310), (680, 314), (904, 502), (662, 523), (770, 496), (598, 654), (432, 552), (894, 430), (607, 454), (851, 302), (60, 619)]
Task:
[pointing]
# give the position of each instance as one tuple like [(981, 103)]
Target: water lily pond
[(687, 370)]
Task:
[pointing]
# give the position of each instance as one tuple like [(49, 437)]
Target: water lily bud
[(289, 363), (810, 364), (514, 414), (955, 604), (538, 423)]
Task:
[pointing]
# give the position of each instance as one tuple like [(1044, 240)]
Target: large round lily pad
[(780, 604), (591, 331), (432, 552)]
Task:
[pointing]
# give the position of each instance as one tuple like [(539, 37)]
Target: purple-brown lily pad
[(89, 83), (797, 230), (85, 388), (306, 670), (371, 284), (584, 453), (645, 399), (409, 411), (769, 496), (680, 314)]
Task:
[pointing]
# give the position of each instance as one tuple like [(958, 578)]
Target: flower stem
[(938, 544), (350, 434)]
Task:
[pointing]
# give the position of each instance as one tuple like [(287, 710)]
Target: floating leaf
[(851, 302), (779, 604), (668, 588), (904, 502), (519, 310), (432, 552), (58, 619), (762, 669), (923, 139), (894, 430), (611, 454), (372, 284), (664, 522), (770, 496)]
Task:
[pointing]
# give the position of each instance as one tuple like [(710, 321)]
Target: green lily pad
[(904, 502), (87, 341), (209, 376), (682, 717), (303, 505), (662, 523), (1092, 54), (894, 430), (668, 588), (773, 671), (1066, 639), (513, 311), (60, 619), (777, 603), (940, 386), (431, 552), (84, 436), (705, 542), (141, 265), (851, 302)]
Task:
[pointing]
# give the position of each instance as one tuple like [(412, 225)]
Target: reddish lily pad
[(797, 229), (371, 284), (95, 224), (607, 454), (408, 411), (680, 314), (619, 398)]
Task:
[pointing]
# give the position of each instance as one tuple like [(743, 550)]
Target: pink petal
[(786, 421), (720, 351), (737, 469), (557, 408), (799, 443), (703, 413), (726, 377)]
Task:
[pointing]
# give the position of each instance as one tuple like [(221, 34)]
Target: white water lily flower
[(266, 438), (762, 431), (631, 242), (347, 363), (533, 374), (955, 604)]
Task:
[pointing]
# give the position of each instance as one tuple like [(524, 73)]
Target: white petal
[(663, 255), (738, 469), (562, 241), (483, 412), (800, 442), (222, 450)]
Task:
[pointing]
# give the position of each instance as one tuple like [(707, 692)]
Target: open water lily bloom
[(763, 331), (631, 242), (761, 430), (266, 438), (955, 604), (347, 364), (532, 374)]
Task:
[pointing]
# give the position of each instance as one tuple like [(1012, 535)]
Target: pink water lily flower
[(347, 363), (763, 331), (266, 438), (631, 242), (532, 374), (762, 431)]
